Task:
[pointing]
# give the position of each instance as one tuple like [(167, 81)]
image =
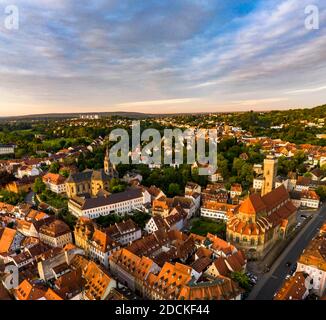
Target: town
[(76, 226)]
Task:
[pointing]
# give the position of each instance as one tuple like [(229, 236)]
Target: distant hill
[(319, 110)]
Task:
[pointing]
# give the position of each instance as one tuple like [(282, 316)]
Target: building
[(10, 240), (236, 190), (98, 282), (180, 282), (27, 171), (310, 199), (270, 172), (96, 242), (55, 183), (305, 198), (217, 210), (131, 270), (295, 288), (258, 183), (175, 221), (28, 290), (313, 262), (124, 232), (260, 221), (22, 185), (7, 149), (164, 206), (55, 234), (104, 204), (91, 181)]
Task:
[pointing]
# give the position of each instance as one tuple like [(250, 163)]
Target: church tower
[(270, 173), (109, 169)]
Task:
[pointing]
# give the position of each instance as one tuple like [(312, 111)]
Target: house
[(96, 242), (180, 282), (192, 187), (124, 232), (164, 206), (98, 282), (56, 234), (10, 240), (236, 190), (225, 265), (316, 174), (23, 185), (55, 183), (295, 288), (175, 221), (217, 210), (258, 183), (28, 290), (132, 270), (27, 171), (310, 199), (313, 262)]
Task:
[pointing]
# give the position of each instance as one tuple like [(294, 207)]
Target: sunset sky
[(161, 56)]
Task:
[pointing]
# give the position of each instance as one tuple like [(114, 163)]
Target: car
[(287, 277), (304, 216), (288, 264)]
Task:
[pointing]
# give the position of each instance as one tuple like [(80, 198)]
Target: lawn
[(54, 200), (203, 226)]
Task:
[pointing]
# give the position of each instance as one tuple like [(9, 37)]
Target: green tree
[(321, 191), (242, 279), (39, 186), (174, 190), (55, 167)]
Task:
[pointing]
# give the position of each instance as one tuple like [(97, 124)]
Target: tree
[(242, 279), (39, 186), (55, 167), (64, 173), (321, 191), (174, 190)]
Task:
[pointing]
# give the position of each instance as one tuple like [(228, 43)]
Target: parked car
[(288, 264)]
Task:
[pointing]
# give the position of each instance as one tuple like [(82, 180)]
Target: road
[(273, 280)]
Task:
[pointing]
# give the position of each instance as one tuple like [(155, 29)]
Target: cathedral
[(91, 181), (262, 219)]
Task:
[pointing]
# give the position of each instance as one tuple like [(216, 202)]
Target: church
[(262, 219), (91, 181)]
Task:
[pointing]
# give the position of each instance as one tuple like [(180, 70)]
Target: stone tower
[(109, 169), (270, 173)]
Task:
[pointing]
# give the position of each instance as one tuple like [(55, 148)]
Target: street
[(272, 281)]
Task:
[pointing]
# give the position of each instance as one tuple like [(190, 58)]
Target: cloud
[(105, 52), (158, 102), (308, 90)]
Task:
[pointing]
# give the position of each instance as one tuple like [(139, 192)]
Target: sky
[(158, 56)]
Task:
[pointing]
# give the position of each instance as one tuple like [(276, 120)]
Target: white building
[(215, 210), (7, 149), (27, 171), (116, 203), (55, 234), (258, 183), (124, 232), (313, 262), (55, 183)]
